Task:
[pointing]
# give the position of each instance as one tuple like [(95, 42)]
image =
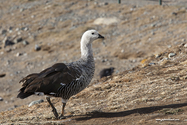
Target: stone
[(7, 42), (183, 40), (2, 75), (19, 54), (22, 9), (174, 13), (37, 48), (105, 3), (25, 28), (185, 45), (17, 40), (3, 32), (106, 21), (17, 29), (32, 16), (150, 64), (153, 25), (25, 42), (171, 55), (36, 102), (1, 99), (10, 29)]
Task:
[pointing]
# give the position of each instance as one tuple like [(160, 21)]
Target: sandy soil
[(146, 43)]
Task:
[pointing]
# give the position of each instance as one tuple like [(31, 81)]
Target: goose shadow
[(143, 110)]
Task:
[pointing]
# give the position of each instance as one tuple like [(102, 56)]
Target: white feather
[(62, 84)]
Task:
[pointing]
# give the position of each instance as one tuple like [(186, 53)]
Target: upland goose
[(63, 80)]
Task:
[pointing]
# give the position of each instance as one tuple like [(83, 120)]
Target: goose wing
[(49, 80)]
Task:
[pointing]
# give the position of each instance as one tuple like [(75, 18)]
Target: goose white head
[(89, 36), (86, 42)]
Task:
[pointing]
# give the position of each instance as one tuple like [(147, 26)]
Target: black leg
[(54, 109), (62, 115)]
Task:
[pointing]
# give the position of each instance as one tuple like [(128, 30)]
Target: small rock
[(15, 106), (22, 9), (18, 40), (105, 3), (185, 45), (36, 102), (174, 13), (32, 16), (25, 42), (2, 75), (19, 54), (17, 29), (7, 42), (153, 25), (157, 55), (171, 55), (131, 9), (106, 21), (1, 99), (106, 72), (169, 46), (19, 33), (3, 32), (24, 28), (183, 40), (37, 48), (10, 29), (150, 64)]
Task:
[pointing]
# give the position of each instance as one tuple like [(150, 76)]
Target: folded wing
[(48, 81)]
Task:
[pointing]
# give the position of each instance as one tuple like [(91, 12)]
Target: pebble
[(183, 40), (25, 28), (22, 9), (171, 55), (37, 48), (1, 99), (153, 25), (36, 102), (3, 32), (17, 29), (185, 45), (19, 54), (18, 40), (150, 64), (32, 16), (2, 75), (25, 42), (105, 3), (7, 42), (174, 13)]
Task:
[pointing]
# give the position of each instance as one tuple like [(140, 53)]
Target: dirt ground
[(145, 42)]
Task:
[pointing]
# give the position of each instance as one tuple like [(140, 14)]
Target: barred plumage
[(63, 80)]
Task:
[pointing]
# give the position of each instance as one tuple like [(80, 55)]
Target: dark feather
[(48, 80)]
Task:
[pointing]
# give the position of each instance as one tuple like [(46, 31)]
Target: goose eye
[(92, 33)]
